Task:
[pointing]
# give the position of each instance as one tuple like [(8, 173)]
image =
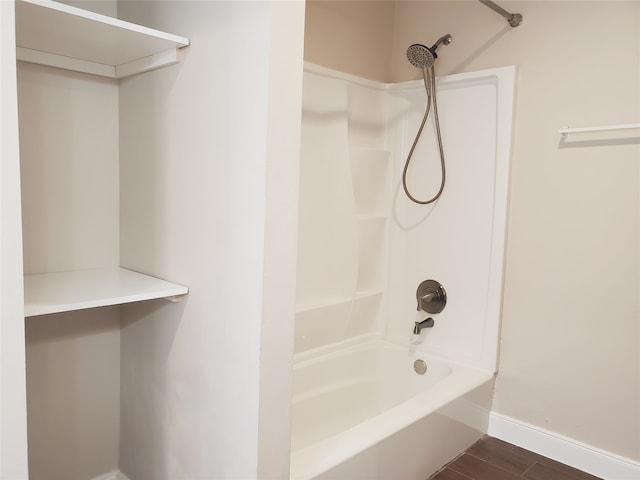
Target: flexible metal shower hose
[(429, 76)]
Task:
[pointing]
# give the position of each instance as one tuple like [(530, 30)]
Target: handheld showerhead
[(422, 56)]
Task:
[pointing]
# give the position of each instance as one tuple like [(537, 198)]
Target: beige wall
[(104, 7), (69, 169), (350, 36), (570, 333), (569, 359), (69, 175), (73, 385)]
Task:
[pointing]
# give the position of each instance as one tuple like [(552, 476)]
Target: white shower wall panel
[(327, 256), (368, 107), (364, 247), (459, 239), (344, 193)]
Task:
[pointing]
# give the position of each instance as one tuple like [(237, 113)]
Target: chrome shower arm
[(514, 19)]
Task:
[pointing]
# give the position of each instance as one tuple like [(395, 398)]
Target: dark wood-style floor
[(493, 459)]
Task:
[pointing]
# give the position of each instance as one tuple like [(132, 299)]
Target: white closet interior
[(66, 37), (69, 122)]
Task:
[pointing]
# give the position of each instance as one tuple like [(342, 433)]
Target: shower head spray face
[(421, 56)]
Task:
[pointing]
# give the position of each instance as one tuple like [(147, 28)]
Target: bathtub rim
[(420, 346), (324, 455)]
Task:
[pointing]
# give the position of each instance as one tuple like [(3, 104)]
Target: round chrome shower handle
[(431, 296)]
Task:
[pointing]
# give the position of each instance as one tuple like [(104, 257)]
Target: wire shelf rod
[(564, 131)]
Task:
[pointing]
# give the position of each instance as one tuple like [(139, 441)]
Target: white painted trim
[(115, 475), (13, 391), (146, 64), (134, 67), (66, 63), (563, 449)]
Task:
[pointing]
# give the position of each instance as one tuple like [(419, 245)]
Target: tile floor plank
[(542, 471), (480, 470), (494, 459), (492, 443), (516, 461), (448, 474)]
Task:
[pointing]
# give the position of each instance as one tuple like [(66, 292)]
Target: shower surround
[(364, 248)]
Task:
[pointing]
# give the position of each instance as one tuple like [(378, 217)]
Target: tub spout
[(427, 323)]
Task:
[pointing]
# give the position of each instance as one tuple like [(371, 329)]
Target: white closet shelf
[(62, 36), (76, 290)]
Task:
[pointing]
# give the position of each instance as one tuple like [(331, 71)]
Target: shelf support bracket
[(175, 298)]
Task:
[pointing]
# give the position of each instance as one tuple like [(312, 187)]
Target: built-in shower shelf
[(76, 290), (302, 307), (365, 294), (335, 301), (63, 36)]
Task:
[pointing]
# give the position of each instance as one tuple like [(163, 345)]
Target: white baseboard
[(566, 450), (115, 475)]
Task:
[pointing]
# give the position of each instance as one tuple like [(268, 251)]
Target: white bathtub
[(362, 412)]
